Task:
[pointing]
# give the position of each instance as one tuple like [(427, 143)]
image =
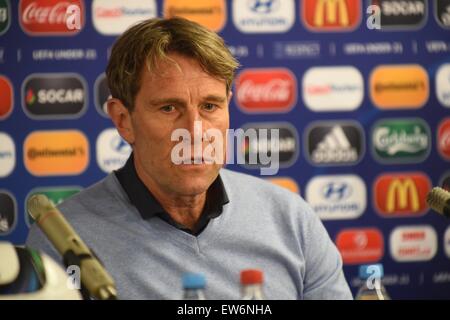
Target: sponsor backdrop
[(363, 113)]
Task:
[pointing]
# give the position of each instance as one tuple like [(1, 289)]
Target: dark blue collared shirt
[(149, 207)]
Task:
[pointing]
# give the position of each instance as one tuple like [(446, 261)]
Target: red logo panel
[(48, 17), (331, 15), (360, 245), (6, 97), (266, 90), (401, 194), (443, 139)]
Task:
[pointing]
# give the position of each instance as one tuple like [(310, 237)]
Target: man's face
[(171, 97)]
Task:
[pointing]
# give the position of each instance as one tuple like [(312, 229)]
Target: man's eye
[(209, 107), (168, 108)]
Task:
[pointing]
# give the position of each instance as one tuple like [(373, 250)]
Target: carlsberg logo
[(403, 140), (395, 142)]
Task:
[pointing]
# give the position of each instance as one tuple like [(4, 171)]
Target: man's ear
[(121, 117), (229, 96)]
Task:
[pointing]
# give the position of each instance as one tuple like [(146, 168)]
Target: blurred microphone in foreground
[(28, 274), (439, 200), (94, 278)]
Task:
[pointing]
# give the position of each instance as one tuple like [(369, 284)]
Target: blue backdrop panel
[(363, 113)]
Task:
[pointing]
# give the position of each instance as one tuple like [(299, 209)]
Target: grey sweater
[(263, 226)]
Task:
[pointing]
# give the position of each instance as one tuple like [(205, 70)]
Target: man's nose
[(194, 123)]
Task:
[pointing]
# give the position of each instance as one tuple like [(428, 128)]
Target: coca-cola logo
[(266, 90), (443, 138), (48, 17)]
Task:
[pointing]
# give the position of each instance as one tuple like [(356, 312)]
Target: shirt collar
[(149, 207)]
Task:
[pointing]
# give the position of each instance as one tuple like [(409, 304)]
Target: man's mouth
[(198, 160)]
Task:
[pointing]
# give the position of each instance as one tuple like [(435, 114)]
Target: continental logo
[(401, 194), (6, 97), (402, 14), (331, 15), (5, 16), (399, 86), (53, 153), (401, 140), (209, 13), (55, 194), (54, 96), (285, 182)]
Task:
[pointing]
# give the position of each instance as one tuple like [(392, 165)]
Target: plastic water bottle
[(251, 284), (194, 286), (372, 288)]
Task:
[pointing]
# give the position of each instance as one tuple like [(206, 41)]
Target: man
[(153, 219)]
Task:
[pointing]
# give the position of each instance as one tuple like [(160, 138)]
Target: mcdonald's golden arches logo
[(401, 194), (331, 15)]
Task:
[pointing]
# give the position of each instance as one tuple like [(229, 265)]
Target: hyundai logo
[(263, 6), (120, 146), (336, 191)]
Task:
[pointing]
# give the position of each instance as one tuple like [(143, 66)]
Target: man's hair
[(150, 41)]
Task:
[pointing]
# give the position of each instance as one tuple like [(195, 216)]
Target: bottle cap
[(194, 281), (367, 270), (251, 276)]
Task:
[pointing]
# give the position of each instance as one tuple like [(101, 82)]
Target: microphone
[(439, 200), (446, 184), (94, 278)]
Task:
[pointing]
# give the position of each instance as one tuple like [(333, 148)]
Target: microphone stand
[(70, 258)]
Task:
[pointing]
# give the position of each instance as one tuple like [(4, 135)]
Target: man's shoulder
[(96, 197), (263, 201), (250, 186), (247, 181), (88, 208)]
